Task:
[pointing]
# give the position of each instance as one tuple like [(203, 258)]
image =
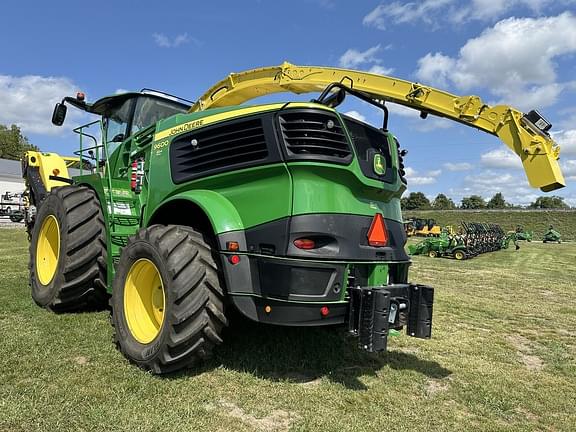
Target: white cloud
[(121, 91), (513, 185), (486, 183), (414, 178), (375, 18), (433, 123), (436, 69), (355, 114), (437, 12), (353, 58), (402, 110), (400, 13), (501, 158), (164, 41), (491, 9), (569, 168), (515, 59), (28, 101), (380, 70), (567, 141), (421, 125), (368, 60), (457, 166)]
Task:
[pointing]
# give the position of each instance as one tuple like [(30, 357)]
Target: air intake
[(308, 135), (217, 149)]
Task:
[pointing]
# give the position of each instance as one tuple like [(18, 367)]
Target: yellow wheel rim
[(144, 301), (48, 250)]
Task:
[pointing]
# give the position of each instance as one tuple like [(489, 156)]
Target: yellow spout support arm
[(538, 152)]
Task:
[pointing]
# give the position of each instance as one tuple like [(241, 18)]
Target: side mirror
[(59, 114), (335, 99), (118, 138)]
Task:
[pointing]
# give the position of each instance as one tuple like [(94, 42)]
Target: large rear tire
[(68, 252), (167, 299)]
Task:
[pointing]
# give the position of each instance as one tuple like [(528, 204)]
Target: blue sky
[(519, 52)]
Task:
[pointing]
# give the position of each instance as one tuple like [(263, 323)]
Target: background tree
[(442, 202), (549, 202), (473, 202), (12, 143), (497, 202), (415, 201)]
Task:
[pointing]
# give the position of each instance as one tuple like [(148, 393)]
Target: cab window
[(150, 109), (116, 124)]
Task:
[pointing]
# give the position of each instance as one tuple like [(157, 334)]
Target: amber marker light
[(232, 246)]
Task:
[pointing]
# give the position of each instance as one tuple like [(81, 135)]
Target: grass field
[(537, 221), (502, 358)]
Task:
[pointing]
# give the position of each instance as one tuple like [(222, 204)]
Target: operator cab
[(124, 114)]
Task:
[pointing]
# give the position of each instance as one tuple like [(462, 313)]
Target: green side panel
[(329, 188), (235, 200), (378, 275)]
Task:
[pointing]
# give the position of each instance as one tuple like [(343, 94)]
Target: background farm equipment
[(11, 206), (472, 239), (447, 245), (552, 236), (482, 237), (511, 237), (422, 227), (522, 234)]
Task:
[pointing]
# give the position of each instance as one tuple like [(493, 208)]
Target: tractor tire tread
[(83, 273), (195, 320)]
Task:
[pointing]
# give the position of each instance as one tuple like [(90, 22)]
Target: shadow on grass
[(303, 355)]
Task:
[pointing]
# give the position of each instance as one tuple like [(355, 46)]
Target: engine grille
[(217, 149), (308, 135)]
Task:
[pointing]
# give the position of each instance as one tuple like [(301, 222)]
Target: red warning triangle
[(378, 234)]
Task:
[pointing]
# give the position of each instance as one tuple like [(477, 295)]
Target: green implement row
[(552, 236), (471, 240)]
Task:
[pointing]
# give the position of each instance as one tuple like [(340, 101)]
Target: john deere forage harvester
[(287, 212)]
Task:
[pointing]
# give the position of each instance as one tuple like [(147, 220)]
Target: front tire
[(68, 252), (167, 299), (459, 255)]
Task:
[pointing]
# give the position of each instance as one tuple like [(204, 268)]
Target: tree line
[(13, 144), (419, 201)]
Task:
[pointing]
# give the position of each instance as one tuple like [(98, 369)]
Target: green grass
[(502, 357), (537, 221)]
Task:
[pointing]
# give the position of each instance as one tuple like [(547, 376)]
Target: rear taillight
[(304, 243)]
